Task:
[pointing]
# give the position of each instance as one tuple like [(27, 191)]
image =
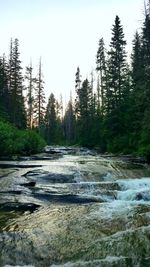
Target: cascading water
[(76, 210)]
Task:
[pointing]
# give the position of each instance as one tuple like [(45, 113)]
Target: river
[(72, 207)]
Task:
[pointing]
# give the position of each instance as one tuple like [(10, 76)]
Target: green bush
[(144, 143), (144, 150), (22, 142), (6, 138), (29, 142)]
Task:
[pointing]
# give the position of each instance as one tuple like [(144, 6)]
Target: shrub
[(14, 141), (6, 138), (29, 142)]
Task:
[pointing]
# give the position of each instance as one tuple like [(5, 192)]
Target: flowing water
[(72, 207)]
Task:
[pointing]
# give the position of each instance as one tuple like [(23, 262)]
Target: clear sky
[(65, 33)]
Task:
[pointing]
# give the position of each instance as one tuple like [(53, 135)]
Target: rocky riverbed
[(74, 207)]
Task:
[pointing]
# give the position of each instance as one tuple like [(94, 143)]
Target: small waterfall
[(134, 189)]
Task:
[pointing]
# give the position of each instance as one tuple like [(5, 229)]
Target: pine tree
[(4, 95), (136, 98), (137, 61), (39, 101), (145, 99), (51, 119), (102, 76), (116, 65), (59, 114), (30, 95), (84, 113), (69, 123), (77, 89), (15, 81), (146, 53), (117, 78)]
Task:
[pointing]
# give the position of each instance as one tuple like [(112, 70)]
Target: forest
[(113, 116)]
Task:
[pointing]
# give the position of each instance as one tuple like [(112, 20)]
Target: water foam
[(134, 183), (134, 189)]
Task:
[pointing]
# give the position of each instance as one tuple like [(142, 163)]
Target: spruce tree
[(145, 100), (136, 96), (102, 79), (84, 113), (116, 65), (117, 86), (51, 120), (18, 113), (77, 89), (4, 95), (69, 123), (30, 95), (39, 101)]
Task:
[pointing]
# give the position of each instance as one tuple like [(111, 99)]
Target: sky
[(65, 34)]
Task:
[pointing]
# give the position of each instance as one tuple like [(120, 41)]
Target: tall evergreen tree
[(18, 114), (69, 123), (4, 95), (116, 65), (136, 96), (30, 95), (77, 89), (51, 120), (85, 103), (145, 100), (117, 87), (39, 101), (102, 78)]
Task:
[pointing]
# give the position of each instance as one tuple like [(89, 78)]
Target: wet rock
[(109, 261), (53, 150), (18, 207), (139, 196), (86, 151), (143, 196), (136, 160), (15, 192), (42, 156), (148, 159), (66, 199), (29, 184), (50, 177), (14, 164), (69, 151), (80, 224)]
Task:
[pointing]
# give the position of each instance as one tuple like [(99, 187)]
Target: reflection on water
[(79, 209)]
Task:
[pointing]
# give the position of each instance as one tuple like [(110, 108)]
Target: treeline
[(115, 116), (111, 110), (16, 136)]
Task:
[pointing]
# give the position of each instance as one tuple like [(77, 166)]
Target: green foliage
[(29, 142), (144, 150), (15, 87), (13, 141), (69, 123), (53, 121), (7, 133)]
